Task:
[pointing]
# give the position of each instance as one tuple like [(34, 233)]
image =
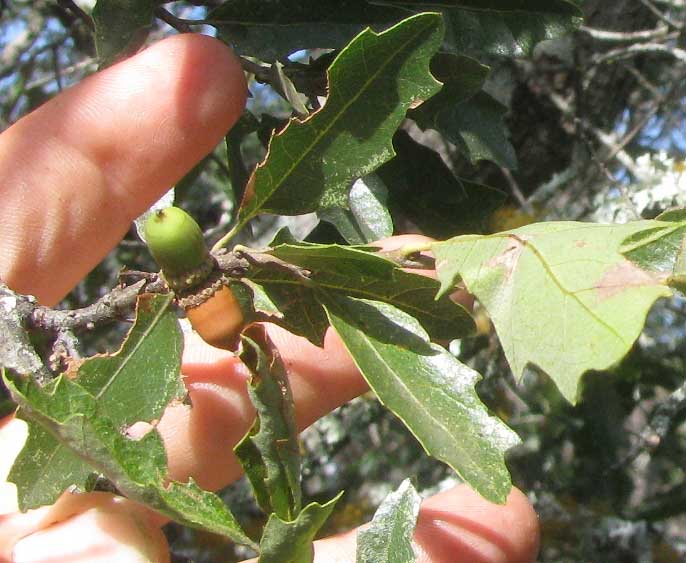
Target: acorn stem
[(222, 242)]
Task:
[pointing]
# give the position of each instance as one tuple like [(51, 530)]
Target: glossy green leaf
[(356, 272), (291, 541), (388, 539), (289, 304), (273, 30), (367, 218), (509, 28), (311, 164), (661, 248), (428, 389), (121, 27), (367, 203), (270, 453), (560, 294), (344, 222)]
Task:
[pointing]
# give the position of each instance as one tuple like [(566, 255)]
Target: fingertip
[(93, 527), (460, 525)]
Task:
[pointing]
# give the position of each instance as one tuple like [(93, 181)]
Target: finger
[(459, 296), (397, 242), (458, 526), (199, 439), (77, 171), (101, 534)]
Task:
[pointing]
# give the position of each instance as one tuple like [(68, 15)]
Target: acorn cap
[(176, 243)]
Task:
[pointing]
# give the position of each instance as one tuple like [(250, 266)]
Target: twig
[(21, 313), (56, 68), (261, 73), (516, 192), (40, 82), (78, 12), (605, 138), (117, 304), (658, 426), (659, 14), (637, 49), (628, 36), (16, 350), (179, 24)]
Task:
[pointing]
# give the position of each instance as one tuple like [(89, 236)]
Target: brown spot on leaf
[(73, 367), (581, 243), (623, 276), (249, 192), (144, 302), (509, 257)]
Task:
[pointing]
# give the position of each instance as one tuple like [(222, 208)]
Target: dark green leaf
[(463, 206), (291, 542), (121, 27), (273, 30), (367, 203), (658, 249), (356, 272), (462, 78), (560, 294), (505, 28), (475, 126), (293, 306), (311, 164), (388, 539), (464, 114), (237, 166), (269, 453), (345, 224), (428, 389)]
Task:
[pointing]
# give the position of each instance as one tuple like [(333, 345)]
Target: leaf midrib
[(127, 358), (336, 118)]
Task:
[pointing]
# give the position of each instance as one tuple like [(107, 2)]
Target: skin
[(73, 175)]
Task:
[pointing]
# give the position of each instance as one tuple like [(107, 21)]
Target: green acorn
[(176, 242), (177, 245)]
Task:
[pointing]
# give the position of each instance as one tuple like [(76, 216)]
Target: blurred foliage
[(581, 113)]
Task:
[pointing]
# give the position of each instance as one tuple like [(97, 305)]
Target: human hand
[(73, 175)]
